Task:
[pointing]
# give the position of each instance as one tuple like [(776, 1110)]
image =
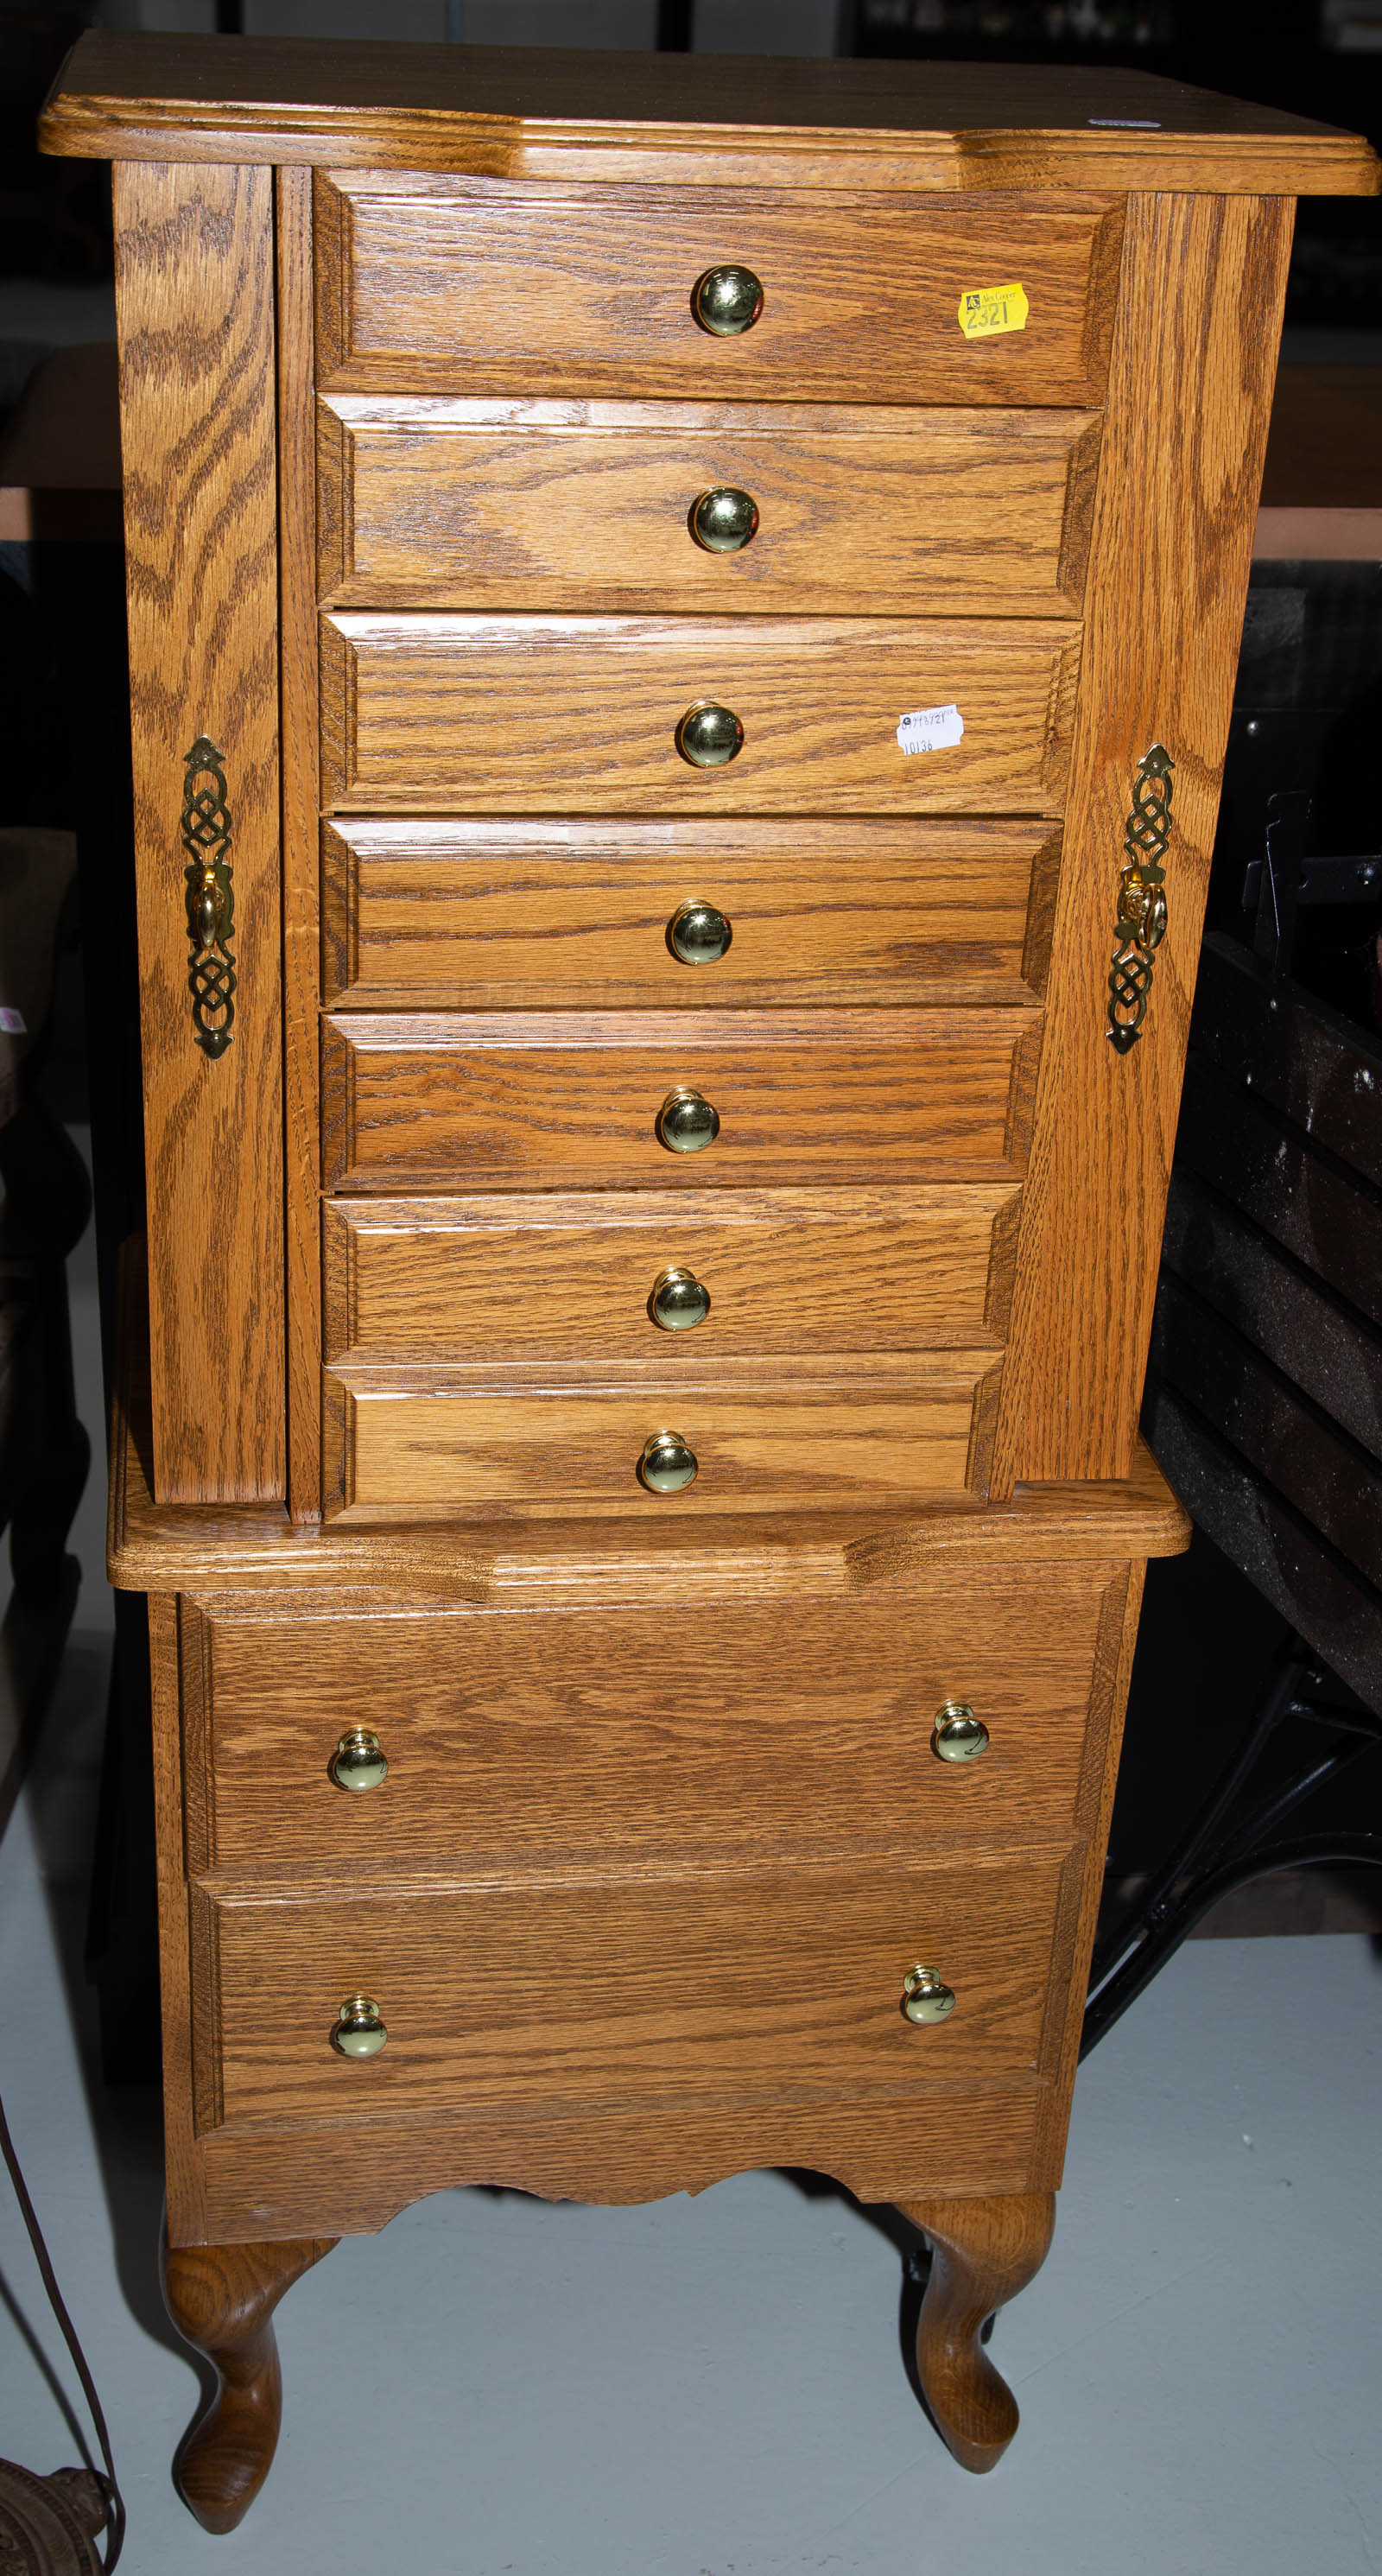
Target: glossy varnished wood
[(586, 506), (559, 1737), (565, 1275), (573, 1100), (301, 857), (619, 1990), (356, 2176), (1184, 438), (194, 280), (982, 2253), (221, 2298), (450, 915), (466, 286), (834, 125), (160, 1550), (417, 1444), (527, 715)]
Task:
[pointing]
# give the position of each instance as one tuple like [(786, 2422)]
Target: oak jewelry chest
[(682, 626)]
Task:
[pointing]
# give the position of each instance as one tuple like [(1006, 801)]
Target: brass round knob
[(959, 1736), (926, 1997), (724, 520), (679, 1301), (699, 933), (687, 1122), (667, 1466), (360, 2031), (358, 1761), (726, 301), (709, 736)]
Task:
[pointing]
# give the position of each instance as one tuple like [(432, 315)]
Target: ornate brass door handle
[(1141, 898), (210, 897)]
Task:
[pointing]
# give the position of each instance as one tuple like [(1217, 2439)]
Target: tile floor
[(715, 2387)]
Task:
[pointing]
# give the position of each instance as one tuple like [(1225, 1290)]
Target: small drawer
[(626, 1734), (615, 507), (584, 715), (590, 1100), (450, 285), (493, 915), (415, 1445), (563, 1275), (605, 1991)]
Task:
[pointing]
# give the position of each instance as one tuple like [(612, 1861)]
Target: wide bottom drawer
[(602, 1992)]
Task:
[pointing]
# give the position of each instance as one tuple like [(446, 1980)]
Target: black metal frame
[(1222, 1850)]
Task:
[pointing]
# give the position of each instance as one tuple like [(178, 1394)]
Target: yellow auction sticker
[(987, 310)]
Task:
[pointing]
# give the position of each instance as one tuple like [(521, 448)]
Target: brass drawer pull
[(726, 301), (724, 520), (1141, 924), (667, 1465), (360, 2031), (359, 1760), (210, 897), (687, 1122), (709, 736), (926, 1997), (679, 1300), (699, 933), (958, 1735)]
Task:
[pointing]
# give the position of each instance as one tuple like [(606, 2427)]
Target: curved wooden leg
[(221, 2298), (983, 2253)]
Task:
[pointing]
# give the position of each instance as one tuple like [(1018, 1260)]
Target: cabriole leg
[(221, 2298), (983, 2253)]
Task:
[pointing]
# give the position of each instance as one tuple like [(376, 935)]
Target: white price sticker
[(930, 728)]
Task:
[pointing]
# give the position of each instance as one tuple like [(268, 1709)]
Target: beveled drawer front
[(581, 714), (591, 506), (603, 1991), (493, 286), (561, 1100), (520, 1739), (416, 1444), (571, 1275), (475, 914)]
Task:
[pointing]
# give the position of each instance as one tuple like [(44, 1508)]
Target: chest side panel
[(195, 309)]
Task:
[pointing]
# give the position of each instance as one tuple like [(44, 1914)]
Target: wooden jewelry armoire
[(682, 623)]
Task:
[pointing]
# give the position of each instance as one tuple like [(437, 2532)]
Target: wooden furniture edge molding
[(147, 97)]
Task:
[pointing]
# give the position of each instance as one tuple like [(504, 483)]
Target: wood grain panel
[(417, 1445), (194, 307), (461, 286), (301, 852), (1186, 427), (564, 1276), (610, 1991), (451, 915), (181, 2154), (586, 506), (572, 1100), (354, 2176), (1121, 1611), (519, 1741), (579, 714)]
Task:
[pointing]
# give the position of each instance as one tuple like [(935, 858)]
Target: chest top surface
[(521, 111)]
